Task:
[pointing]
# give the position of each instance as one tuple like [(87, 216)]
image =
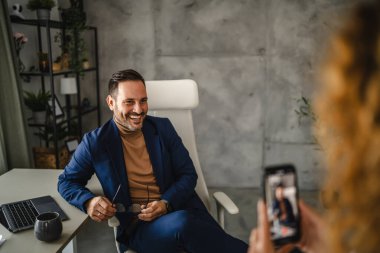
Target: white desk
[(20, 184)]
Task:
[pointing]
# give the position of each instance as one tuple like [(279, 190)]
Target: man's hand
[(100, 209), (153, 210)]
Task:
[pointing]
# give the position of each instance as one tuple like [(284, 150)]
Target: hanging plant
[(73, 43)]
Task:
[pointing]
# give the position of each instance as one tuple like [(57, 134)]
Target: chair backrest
[(174, 99)]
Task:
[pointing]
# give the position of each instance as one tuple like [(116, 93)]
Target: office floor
[(98, 237)]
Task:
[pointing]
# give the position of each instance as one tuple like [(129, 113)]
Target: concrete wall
[(252, 60)]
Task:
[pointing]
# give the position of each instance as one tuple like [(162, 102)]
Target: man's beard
[(124, 121)]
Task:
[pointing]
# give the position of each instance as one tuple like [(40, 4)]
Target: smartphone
[(280, 193)]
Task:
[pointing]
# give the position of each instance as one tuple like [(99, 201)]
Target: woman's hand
[(313, 231), (260, 240)]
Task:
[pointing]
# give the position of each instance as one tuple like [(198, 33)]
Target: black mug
[(48, 226)]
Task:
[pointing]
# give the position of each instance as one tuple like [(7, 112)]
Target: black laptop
[(21, 215)]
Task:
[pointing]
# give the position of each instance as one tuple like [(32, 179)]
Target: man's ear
[(110, 102)]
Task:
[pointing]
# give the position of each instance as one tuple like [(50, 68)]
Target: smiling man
[(129, 103), (148, 179)]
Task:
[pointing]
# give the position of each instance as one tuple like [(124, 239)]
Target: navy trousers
[(193, 231)]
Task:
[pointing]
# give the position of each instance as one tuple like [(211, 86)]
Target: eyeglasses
[(147, 201), (114, 196), (134, 208), (119, 206)]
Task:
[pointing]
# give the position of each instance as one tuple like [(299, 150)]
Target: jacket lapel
[(153, 145), (114, 148)]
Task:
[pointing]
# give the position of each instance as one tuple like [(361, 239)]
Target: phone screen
[(281, 197)]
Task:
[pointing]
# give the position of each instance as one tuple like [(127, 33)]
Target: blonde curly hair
[(348, 111)]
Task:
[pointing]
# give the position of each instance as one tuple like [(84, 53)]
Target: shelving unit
[(73, 114)]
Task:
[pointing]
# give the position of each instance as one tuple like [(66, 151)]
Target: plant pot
[(39, 117), (43, 61), (85, 64), (43, 14)]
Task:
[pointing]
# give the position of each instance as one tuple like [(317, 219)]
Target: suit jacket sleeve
[(71, 183), (183, 170)]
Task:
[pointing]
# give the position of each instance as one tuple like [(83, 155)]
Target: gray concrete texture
[(252, 60)]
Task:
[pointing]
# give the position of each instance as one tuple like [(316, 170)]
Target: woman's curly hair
[(348, 111)]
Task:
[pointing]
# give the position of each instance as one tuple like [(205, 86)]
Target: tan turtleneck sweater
[(138, 165)]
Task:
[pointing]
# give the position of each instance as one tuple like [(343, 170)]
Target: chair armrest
[(224, 201), (114, 223)]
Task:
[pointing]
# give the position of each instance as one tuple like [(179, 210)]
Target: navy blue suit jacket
[(101, 152)]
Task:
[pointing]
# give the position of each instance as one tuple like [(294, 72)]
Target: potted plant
[(38, 103), (42, 7), (85, 63), (44, 156), (73, 43), (46, 133), (43, 61)]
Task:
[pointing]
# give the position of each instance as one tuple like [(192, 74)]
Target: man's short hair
[(279, 185), (120, 76)]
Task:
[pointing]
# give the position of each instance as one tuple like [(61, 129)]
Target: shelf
[(35, 22), (83, 111), (43, 23), (73, 116), (57, 73), (61, 121)]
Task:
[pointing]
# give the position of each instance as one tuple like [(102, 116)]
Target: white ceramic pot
[(43, 14), (39, 117)]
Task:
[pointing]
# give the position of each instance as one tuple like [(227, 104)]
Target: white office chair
[(174, 99)]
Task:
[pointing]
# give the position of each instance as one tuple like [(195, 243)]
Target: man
[(147, 176)]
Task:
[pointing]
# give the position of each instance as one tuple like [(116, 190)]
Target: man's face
[(129, 104)]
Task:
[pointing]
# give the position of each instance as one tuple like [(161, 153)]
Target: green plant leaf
[(37, 102), (40, 4)]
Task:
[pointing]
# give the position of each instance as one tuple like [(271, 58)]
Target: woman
[(282, 208), (348, 110)]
